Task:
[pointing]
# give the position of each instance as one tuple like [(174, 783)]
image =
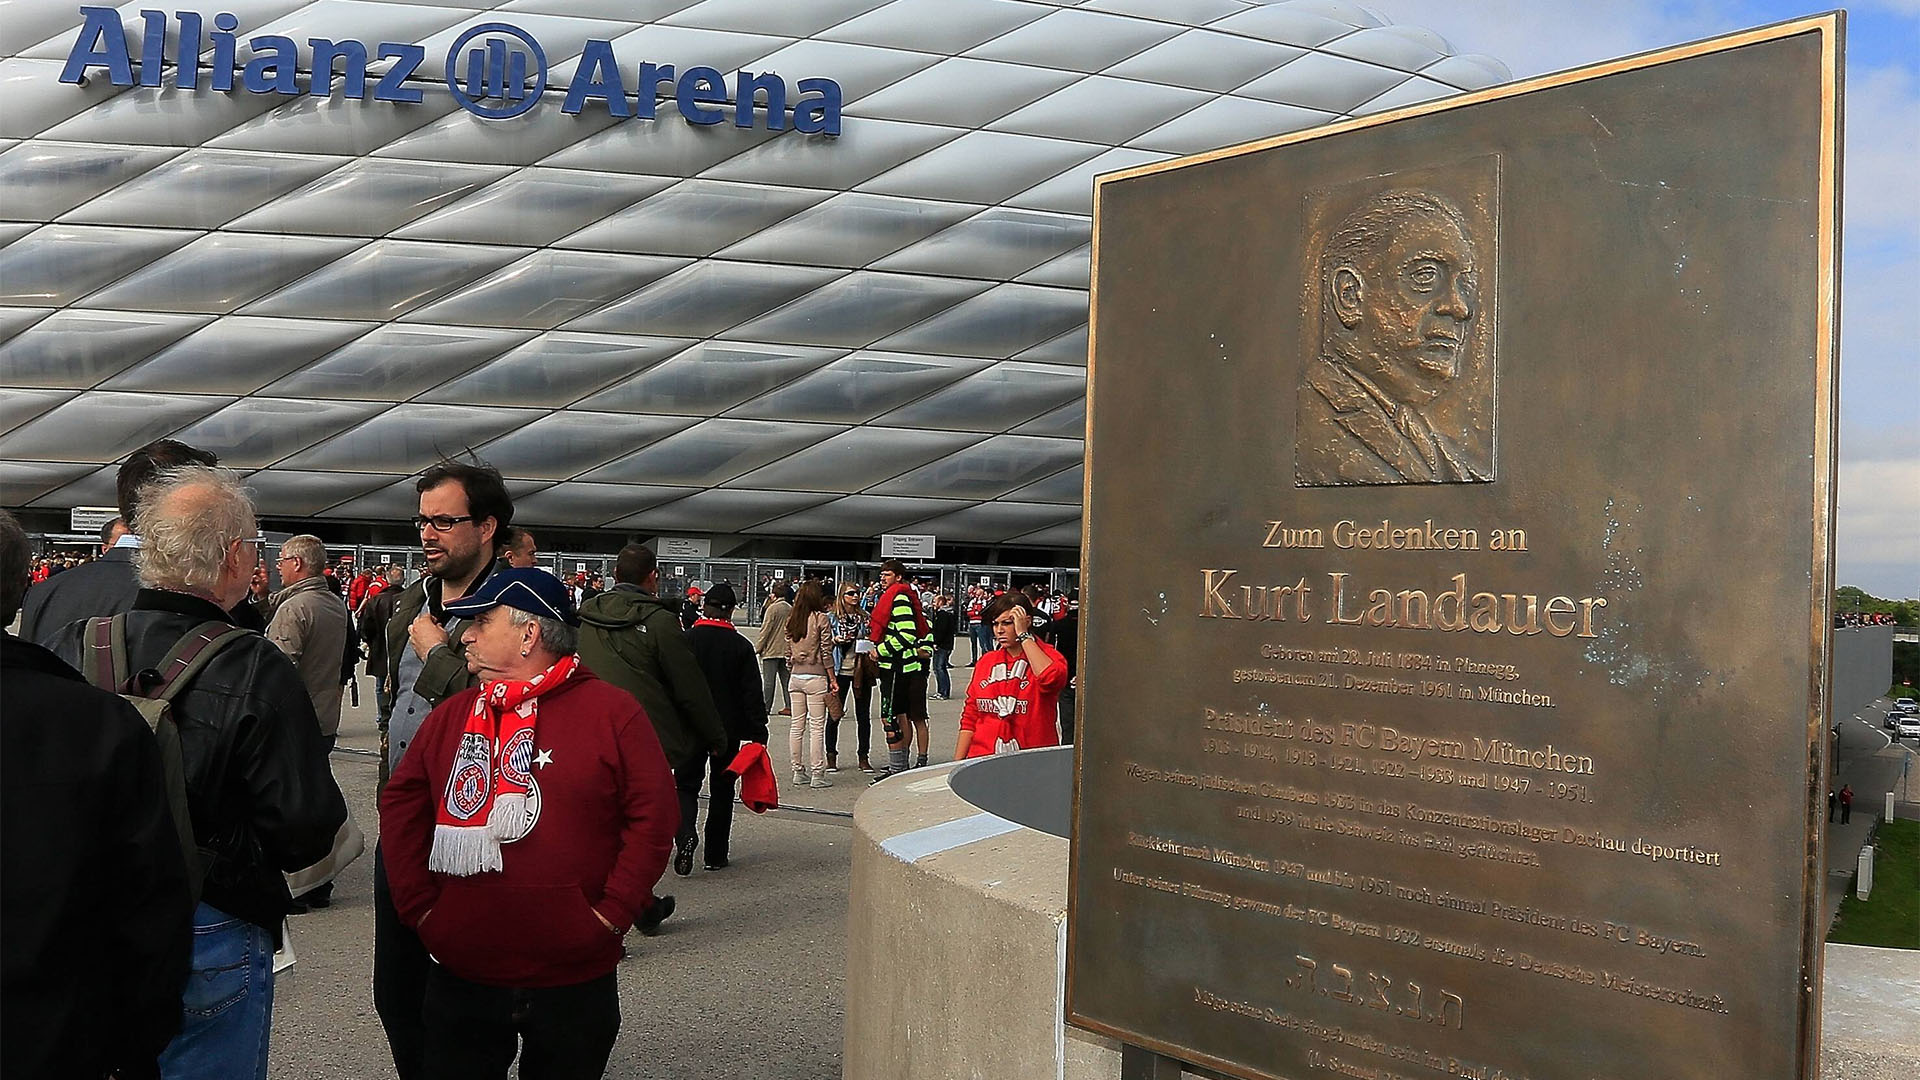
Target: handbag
[(836, 707)]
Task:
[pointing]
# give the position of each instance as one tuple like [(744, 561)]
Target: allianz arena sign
[(495, 70)]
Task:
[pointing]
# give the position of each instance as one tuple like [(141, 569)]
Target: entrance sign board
[(683, 547), (90, 519), (1466, 717), (913, 546)]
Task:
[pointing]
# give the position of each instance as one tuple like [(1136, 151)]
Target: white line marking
[(916, 845)]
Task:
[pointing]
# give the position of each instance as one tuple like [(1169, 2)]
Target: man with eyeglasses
[(464, 515), (310, 625)]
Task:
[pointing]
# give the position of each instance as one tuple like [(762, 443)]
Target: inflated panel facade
[(654, 310)]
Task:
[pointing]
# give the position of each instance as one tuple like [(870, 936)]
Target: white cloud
[(1533, 38), (1882, 152), (1898, 7), (1877, 533)]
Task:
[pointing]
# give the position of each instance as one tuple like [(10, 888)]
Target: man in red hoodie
[(522, 834)]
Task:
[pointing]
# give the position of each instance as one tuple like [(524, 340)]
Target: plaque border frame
[(1830, 26)]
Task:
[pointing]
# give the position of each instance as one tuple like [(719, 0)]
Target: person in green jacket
[(632, 638)]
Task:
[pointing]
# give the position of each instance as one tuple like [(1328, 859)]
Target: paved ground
[(1866, 757), (746, 979)]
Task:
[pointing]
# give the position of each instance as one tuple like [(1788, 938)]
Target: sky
[(1877, 528)]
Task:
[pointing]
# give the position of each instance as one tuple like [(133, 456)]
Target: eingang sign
[(495, 70)]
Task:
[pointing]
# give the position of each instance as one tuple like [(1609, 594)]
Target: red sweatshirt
[(883, 611), (1007, 701), (606, 819)]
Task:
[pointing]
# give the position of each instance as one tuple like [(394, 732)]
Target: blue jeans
[(227, 1007), (941, 681)]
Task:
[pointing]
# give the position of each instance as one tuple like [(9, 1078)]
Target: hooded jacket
[(633, 640)]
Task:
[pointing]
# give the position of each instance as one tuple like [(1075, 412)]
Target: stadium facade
[(786, 275)]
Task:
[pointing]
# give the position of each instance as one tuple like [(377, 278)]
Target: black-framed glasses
[(440, 522)]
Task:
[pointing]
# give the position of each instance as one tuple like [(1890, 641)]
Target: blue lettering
[(392, 85), (700, 86), (102, 43), (353, 80), (224, 24), (153, 48), (648, 90), (598, 76), (821, 117), (747, 86), (275, 67), (188, 77), (493, 69)]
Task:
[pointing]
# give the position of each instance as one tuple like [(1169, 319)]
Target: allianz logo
[(494, 70)]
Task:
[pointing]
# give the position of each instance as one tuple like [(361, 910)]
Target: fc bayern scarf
[(486, 801)]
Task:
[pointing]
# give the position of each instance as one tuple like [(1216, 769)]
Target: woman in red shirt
[(1013, 702)]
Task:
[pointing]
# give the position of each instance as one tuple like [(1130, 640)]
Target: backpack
[(106, 645)]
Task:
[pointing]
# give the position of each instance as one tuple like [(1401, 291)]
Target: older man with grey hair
[(310, 625), (259, 793)]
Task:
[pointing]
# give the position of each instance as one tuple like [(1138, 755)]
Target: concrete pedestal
[(956, 941)]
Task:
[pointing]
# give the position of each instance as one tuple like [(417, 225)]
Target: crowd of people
[(169, 716), (54, 563)]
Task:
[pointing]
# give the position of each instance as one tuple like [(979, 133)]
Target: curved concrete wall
[(956, 942), (956, 947)]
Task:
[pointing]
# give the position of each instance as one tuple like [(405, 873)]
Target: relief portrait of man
[(1397, 283)]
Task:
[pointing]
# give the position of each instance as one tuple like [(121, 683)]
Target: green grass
[(1891, 920)]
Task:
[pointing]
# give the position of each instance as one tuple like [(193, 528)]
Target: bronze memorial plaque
[(1457, 572)]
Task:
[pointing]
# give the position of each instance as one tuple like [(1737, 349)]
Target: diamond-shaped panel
[(335, 289)]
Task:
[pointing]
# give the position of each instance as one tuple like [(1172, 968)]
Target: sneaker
[(656, 913), (716, 864), (821, 781), (865, 765), (800, 780), (920, 762), (683, 856)]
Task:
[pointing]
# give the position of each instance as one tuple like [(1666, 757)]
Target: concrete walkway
[(1869, 760)]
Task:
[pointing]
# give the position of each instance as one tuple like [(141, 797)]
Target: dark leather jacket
[(259, 787)]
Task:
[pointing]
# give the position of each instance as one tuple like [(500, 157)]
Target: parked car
[(1908, 729)]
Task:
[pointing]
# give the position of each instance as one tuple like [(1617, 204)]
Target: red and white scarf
[(487, 790)]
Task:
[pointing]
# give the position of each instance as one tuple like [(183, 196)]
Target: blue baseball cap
[(527, 589)]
